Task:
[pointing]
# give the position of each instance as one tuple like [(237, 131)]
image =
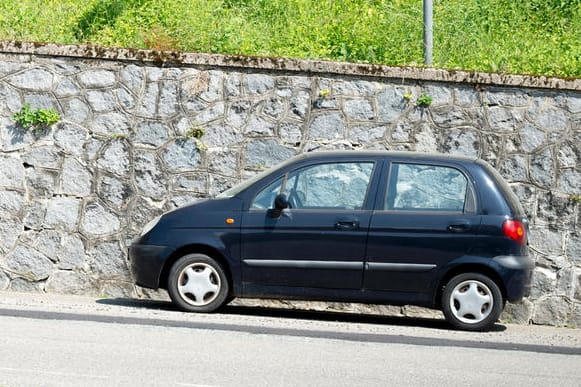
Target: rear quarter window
[(504, 188)]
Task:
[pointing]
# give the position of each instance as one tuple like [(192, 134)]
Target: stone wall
[(73, 196)]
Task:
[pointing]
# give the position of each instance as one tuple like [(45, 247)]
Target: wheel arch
[(195, 249), (467, 268)]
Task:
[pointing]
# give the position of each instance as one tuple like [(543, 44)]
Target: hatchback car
[(395, 228)]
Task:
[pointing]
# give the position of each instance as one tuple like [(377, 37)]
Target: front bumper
[(146, 263), (517, 274)]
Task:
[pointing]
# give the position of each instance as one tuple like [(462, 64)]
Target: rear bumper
[(516, 273), (146, 263)]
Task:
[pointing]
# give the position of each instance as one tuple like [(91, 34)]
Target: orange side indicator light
[(229, 221)]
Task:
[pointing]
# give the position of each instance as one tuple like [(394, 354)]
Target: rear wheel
[(197, 283), (472, 301)]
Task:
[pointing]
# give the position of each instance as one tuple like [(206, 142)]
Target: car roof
[(340, 154)]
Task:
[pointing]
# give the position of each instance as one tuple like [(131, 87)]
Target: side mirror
[(280, 203)]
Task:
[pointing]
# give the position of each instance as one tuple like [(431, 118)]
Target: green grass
[(525, 36)]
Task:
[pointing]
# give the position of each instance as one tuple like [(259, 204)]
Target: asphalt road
[(69, 341)]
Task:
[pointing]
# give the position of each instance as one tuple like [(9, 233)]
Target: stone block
[(70, 282), (11, 172), (544, 282), (181, 156), (26, 262), (70, 138), (259, 84), (75, 110), (4, 280), (505, 119), (266, 153), (152, 133), (149, 179), (367, 134), (108, 261), (98, 221), (25, 286), (259, 126), (11, 202), (391, 104), (358, 109), (573, 249), (299, 104), (101, 100), (10, 230), (97, 78), (518, 313), (62, 213), (75, 179), (32, 80), (114, 157), (327, 127), (552, 310), (114, 191)]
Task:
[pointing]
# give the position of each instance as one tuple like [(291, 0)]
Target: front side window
[(416, 187), (332, 186)]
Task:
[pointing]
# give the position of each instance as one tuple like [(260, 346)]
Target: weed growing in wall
[(424, 100), (35, 119), (196, 133)]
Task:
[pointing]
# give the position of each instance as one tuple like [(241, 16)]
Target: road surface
[(70, 341)]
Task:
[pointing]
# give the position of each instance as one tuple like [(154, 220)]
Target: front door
[(319, 242)]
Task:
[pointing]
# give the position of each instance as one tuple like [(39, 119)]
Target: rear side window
[(420, 187)]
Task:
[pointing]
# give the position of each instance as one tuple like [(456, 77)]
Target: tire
[(472, 302), (197, 283)]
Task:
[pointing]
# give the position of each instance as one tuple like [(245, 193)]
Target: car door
[(426, 220), (319, 242)]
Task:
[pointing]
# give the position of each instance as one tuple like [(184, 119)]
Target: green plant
[(407, 96), (324, 93), (37, 119), (576, 199), (424, 100), (118, 136), (196, 133)]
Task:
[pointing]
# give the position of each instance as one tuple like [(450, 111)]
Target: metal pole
[(428, 29)]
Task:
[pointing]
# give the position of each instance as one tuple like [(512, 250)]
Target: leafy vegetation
[(526, 36), (424, 100), (37, 119), (196, 133)]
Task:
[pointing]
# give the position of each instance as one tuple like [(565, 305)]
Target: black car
[(372, 227)]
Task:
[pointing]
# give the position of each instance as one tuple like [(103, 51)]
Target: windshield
[(231, 192)]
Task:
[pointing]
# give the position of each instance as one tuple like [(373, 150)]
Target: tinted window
[(418, 187), (336, 185), (507, 192)]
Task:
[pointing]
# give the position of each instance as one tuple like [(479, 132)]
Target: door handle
[(459, 227), (347, 224)]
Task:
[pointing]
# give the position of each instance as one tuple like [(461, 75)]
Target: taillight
[(515, 230)]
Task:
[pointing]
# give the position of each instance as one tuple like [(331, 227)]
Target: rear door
[(426, 219), (320, 241)]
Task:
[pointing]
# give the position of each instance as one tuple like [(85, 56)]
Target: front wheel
[(197, 283), (472, 301)]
